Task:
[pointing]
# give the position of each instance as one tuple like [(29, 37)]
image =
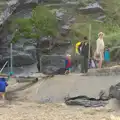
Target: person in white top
[(100, 48)]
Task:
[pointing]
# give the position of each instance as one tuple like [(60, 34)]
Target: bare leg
[(66, 72), (101, 59), (3, 96), (100, 64)]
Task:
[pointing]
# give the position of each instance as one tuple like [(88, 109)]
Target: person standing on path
[(77, 54), (85, 55), (99, 53), (107, 55)]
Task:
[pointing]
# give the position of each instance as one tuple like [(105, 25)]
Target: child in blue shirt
[(107, 55), (3, 85)]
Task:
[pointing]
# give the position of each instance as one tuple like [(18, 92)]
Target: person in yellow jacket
[(77, 47), (77, 54)]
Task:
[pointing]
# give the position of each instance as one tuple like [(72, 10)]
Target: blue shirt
[(3, 84), (107, 56)]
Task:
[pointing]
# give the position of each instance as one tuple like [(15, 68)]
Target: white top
[(100, 45)]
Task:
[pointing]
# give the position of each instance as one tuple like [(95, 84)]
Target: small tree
[(42, 23)]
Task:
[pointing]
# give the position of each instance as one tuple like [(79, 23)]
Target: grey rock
[(72, 2), (53, 70), (65, 30), (69, 2), (45, 43), (59, 15), (11, 6), (52, 64), (104, 95), (91, 8), (72, 20), (31, 1), (66, 27), (101, 17), (31, 50), (18, 47), (50, 70), (114, 91), (86, 101), (19, 58)]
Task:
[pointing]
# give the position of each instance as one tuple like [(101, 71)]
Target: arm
[(97, 46), (91, 52), (6, 83)]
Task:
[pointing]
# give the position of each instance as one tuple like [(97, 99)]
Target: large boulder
[(19, 9), (19, 58), (65, 29), (31, 50), (53, 70), (114, 91), (91, 8), (52, 64)]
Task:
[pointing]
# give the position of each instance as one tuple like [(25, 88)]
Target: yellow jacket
[(76, 47)]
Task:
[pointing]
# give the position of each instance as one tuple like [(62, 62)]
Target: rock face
[(24, 49), (53, 64), (19, 58), (21, 55)]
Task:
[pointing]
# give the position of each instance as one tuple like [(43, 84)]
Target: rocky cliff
[(68, 13)]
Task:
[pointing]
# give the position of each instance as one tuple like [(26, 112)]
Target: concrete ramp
[(57, 88)]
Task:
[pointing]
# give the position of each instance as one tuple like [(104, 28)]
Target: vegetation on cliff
[(42, 23)]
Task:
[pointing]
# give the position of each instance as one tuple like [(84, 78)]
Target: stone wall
[(108, 71)]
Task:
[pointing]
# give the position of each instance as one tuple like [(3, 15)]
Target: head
[(85, 38), (68, 56), (101, 35), (106, 48), (3, 76)]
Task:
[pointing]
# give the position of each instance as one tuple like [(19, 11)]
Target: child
[(3, 85), (68, 64), (107, 55)]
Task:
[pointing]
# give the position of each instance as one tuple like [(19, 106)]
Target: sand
[(34, 111)]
